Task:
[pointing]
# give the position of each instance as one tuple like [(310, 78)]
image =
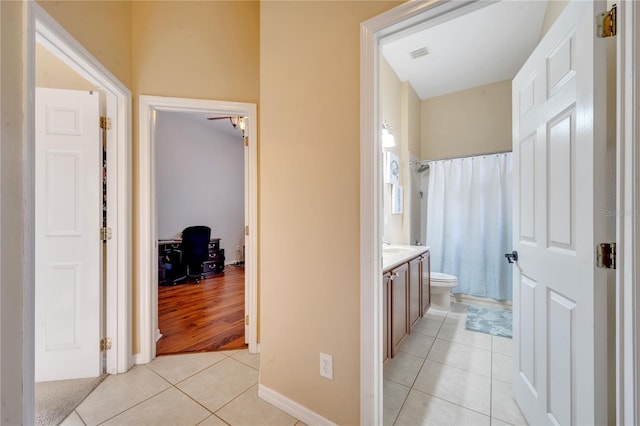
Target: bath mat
[(489, 320)]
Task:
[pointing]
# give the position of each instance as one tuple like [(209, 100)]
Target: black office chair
[(195, 251)]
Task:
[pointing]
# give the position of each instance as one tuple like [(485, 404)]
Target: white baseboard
[(137, 359), (292, 408)]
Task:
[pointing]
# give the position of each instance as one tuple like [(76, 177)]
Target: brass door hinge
[(608, 23), (246, 320), (105, 123), (246, 230), (105, 344), (606, 256), (105, 234), (246, 141)]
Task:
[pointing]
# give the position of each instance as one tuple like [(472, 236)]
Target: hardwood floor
[(208, 316)]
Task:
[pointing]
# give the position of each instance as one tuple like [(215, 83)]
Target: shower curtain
[(469, 223)]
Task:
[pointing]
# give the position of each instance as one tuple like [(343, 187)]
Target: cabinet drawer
[(214, 245), (216, 255), (212, 268)]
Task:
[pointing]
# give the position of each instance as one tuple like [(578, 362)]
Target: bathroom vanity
[(406, 292)]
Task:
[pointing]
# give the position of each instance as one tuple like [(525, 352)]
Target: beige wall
[(400, 107), (554, 8), (197, 49), (309, 189), (12, 104), (391, 109), (53, 73), (470, 122), (102, 27)]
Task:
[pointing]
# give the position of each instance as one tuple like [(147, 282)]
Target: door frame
[(147, 219), (411, 15), (628, 215), (42, 28)]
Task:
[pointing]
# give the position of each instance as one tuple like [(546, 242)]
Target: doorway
[(150, 106), (390, 26), (46, 33), (200, 182), (54, 41)]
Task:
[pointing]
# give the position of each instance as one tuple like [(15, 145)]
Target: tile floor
[(447, 375), (443, 375), (215, 388)]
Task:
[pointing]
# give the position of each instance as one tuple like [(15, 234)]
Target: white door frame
[(147, 231), (628, 209), (43, 29), (416, 13)]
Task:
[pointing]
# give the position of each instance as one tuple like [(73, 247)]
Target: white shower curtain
[(469, 223)]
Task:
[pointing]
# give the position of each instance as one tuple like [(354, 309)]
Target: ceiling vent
[(418, 53)]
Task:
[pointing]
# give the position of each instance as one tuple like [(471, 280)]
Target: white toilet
[(441, 285)]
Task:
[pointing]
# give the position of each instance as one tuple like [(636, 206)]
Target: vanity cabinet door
[(415, 282), (386, 317), (426, 283), (399, 293)]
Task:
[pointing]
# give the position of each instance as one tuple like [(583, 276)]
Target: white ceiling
[(475, 49)]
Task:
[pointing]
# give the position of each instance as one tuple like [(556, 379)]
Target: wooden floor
[(208, 316)]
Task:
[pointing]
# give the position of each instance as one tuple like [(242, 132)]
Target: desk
[(170, 256)]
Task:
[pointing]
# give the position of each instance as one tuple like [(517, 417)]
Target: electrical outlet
[(326, 366)]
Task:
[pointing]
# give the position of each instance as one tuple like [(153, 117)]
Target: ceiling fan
[(236, 121)]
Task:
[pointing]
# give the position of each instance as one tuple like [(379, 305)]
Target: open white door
[(68, 205), (559, 305)]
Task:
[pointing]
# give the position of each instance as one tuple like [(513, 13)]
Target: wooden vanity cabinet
[(399, 295), (425, 294), (386, 317), (415, 284), (405, 298)]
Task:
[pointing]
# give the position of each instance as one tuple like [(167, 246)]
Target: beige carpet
[(56, 400)]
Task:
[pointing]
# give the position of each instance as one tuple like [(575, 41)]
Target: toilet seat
[(443, 278)]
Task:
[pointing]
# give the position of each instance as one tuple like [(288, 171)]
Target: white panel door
[(68, 273), (559, 159)]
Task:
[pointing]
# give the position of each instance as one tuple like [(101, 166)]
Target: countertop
[(395, 254)]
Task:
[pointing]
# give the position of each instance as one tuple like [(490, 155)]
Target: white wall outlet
[(326, 366)]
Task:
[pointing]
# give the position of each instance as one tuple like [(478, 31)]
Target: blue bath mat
[(489, 320)]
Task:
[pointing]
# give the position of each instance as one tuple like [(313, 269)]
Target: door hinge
[(105, 233), (606, 256), (105, 344), (246, 320), (105, 123), (608, 23), (246, 230), (246, 141)]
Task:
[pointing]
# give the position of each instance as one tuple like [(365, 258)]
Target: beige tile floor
[(443, 375), (215, 388), (447, 375)]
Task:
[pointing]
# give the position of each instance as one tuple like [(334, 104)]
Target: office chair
[(195, 251)]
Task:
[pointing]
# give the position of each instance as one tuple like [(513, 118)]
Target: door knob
[(512, 257)]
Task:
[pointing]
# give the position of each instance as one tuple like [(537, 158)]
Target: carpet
[(489, 320), (56, 400)]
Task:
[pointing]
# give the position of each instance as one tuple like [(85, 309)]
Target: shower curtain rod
[(411, 163)]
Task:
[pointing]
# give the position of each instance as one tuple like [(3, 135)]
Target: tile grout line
[(144, 400), (418, 373)]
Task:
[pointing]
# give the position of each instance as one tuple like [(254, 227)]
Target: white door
[(68, 263), (559, 120)]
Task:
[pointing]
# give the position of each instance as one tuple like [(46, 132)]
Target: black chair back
[(195, 248)]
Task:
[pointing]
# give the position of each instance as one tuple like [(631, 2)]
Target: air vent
[(418, 53)]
